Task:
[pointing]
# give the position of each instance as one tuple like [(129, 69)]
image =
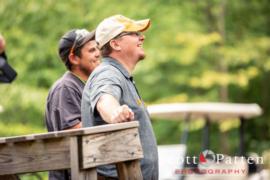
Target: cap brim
[(140, 26), (89, 37)]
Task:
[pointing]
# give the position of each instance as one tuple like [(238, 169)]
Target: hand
[(2, 44), (122, 114)]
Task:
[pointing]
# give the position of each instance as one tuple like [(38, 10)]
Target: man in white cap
[(110, 94)]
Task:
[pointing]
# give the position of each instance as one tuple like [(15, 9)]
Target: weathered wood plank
[(73, 132), (89, 174), (129, 170), (74, 159), (32, 156), (111, 147), (76, 172), (101, 145)]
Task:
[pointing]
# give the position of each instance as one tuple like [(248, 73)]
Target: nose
[(97, 54), (141, 37)]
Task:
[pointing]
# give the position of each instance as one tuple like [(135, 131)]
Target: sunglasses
[(80, 36), (138, 34)]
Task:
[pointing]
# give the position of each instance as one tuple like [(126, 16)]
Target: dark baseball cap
[(72, 40)]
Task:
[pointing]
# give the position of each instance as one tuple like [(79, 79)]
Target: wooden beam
[(111, 147), (129, 170), (32, 156), (76, 172), (80, 150), (73, 132)]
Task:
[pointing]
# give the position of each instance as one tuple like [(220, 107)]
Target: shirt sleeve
[(105, 83), (69, 108)]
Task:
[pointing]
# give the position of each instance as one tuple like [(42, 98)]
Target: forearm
[(112, 112), (106, 106)]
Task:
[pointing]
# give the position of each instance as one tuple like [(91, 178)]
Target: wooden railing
[(81, 150)]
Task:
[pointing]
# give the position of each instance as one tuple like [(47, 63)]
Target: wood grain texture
[(76, 172), (111, 147), (74, 159), (72, 132), (32, 156), (80, 150), (129, 170), (89, 174)]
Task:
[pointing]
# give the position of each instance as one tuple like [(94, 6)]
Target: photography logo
[(207, 157), (207, 162)]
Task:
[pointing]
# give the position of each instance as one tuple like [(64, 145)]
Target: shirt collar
[(116, 64), (84, 82)]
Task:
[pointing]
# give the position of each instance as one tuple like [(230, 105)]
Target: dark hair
[(65, 59), (106, 50), (77, 52)]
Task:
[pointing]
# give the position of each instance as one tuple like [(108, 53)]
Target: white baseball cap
[(114, 25)]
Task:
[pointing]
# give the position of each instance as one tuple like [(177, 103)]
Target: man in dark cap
[(78, 51)]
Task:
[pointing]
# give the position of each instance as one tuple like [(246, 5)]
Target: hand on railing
[(122, 114)]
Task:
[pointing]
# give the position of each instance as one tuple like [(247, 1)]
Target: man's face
[(132, 45), (2, 43), (90, 57)]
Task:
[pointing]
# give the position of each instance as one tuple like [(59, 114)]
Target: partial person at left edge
[(7, 73), (79, 52)]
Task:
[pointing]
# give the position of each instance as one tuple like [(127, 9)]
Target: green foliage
[(23, 109), (34, 176)]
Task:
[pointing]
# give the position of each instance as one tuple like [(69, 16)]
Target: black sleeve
[(3, 54), (7, 73)]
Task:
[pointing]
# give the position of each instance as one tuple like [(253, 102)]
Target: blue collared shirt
[(110, 77)]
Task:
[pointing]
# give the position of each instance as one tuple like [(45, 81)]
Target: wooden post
[(129, 170), (76, 173)]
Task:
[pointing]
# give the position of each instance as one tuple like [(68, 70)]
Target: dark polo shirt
[(112, 78), (63, 108)]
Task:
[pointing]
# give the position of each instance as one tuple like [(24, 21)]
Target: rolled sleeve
[(69, 108), (105, 84)]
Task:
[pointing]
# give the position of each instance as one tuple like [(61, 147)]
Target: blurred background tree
[(211, 50)]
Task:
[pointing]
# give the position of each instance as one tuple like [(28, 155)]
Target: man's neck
[(129, 65), (79, 74)]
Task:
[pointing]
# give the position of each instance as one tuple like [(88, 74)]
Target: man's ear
[(114, 44), (73, 59)]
